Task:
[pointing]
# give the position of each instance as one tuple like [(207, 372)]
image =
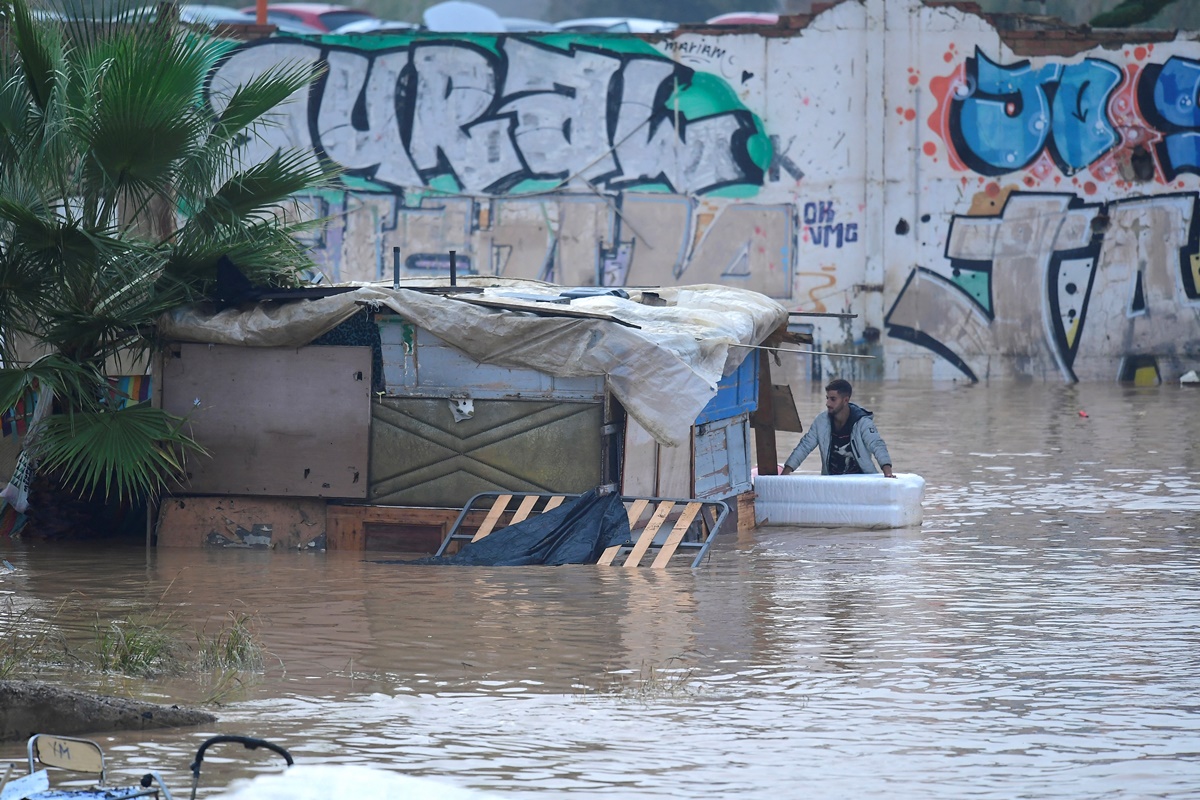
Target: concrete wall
[(991, 205)]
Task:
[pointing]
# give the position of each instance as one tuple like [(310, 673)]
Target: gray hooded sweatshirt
[(865, 441)]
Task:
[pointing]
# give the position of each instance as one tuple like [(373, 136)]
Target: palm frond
[(146, 116), (35, 46), (119, 194), (65, 377), (249, 105), (126, 454), (257, 193)]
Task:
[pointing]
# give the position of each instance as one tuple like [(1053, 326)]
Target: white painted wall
[(986, 215)]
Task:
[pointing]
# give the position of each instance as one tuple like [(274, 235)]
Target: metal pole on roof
[(801, 352), (833, 314), (453, 268), (395, 267)]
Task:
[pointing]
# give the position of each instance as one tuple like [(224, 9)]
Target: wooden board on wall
[(263, 523), (275, 421)]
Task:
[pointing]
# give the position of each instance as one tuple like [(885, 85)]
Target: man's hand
[(786, 470), (887, 471)]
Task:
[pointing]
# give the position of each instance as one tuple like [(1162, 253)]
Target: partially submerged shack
[(366, 417)]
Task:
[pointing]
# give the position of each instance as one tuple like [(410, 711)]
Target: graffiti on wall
[(1052, 284), (567, 158), (1127, 121), (822, 228)]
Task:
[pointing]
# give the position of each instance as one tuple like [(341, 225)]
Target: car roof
[(519, 24), (375, 25), (745, 18), (312, 8), (192, 12), (615, 24)]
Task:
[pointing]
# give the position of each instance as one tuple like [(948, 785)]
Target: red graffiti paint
[(931, 149), (1029, 181), (939, 121), (914, 79), (992, 189), (910, 114), (1044, 167), (900, 110), (1140, 53), (1089, 188)]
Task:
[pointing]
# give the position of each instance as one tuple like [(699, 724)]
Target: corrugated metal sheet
[(421, 456)]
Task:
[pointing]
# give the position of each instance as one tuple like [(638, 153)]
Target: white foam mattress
[(835, 501)]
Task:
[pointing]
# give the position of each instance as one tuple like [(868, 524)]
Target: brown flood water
[(1038, 636)]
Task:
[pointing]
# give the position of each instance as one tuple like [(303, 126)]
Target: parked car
[(377, 26), (323, 17), (523, 25), (205, 14), (745, 18), (191, 14), (462, 16), (617, 25)]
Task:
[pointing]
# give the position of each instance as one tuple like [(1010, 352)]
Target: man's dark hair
[(841, 386)]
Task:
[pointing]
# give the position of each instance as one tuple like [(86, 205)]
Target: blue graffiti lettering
[(1003, 123), (1169, 95), (819, 212), (834, 235), (1081, 131)]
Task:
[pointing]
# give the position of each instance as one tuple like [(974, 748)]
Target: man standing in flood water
[(846, 436)]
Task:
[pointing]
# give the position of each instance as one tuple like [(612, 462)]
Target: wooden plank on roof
[(676, 536)]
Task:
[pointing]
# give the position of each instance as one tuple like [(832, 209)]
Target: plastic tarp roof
[(664, 371)]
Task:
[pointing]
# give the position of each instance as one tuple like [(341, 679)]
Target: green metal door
[(421, 456)]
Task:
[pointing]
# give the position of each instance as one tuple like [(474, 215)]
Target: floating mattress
[(838, 501)]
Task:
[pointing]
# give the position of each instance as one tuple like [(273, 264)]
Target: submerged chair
[(662, 530), (83, 756)]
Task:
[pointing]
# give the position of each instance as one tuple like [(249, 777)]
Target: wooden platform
[(662, 530)]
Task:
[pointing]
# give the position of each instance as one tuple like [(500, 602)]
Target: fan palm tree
[(120, 191)]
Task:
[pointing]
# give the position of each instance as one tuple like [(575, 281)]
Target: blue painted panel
[(737, 393), (722, 453)]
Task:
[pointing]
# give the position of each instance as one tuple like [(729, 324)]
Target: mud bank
[(29, 707)]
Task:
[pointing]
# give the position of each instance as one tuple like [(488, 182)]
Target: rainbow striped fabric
[(123, 390)]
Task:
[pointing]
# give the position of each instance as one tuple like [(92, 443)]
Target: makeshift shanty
[(366, 417)]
